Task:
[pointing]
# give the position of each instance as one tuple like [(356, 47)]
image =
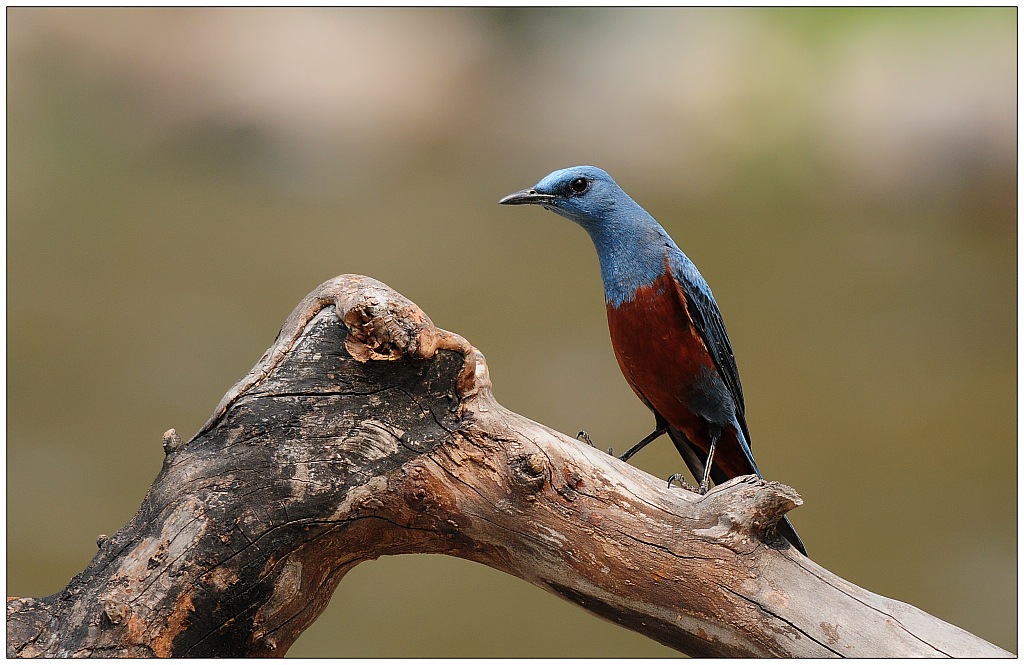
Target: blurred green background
[(178, 179)]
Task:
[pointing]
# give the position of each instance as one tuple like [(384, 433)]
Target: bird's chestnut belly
[(661, 354)]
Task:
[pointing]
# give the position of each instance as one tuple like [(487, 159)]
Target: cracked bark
[(365, 431)]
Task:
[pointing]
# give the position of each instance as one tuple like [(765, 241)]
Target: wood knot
[(115, 611), (745, 507), (433, 504), (573, 481), (384, 328), (416, 491), (529, 471), (172, 442), (416, 498)]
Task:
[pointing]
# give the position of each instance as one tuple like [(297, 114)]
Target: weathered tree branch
[(366, 431)]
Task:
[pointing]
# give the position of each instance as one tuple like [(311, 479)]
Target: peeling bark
[(366, 431)]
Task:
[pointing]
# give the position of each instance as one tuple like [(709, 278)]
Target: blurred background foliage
[(846, 180)]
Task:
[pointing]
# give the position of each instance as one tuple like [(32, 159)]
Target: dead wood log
[(366, 431)]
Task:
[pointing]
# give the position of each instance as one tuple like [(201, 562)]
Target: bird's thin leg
[(643, 442), (703, 489)]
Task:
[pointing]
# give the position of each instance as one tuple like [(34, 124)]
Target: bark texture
[(366, 431)]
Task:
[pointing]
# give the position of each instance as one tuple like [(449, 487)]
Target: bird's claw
[(677, 478), (585, 438)]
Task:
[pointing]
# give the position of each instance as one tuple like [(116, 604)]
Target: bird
[(666, 328)]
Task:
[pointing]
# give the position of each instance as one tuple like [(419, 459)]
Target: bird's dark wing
[(708, 320)]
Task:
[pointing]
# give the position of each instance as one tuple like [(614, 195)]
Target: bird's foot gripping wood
[(585, 438), (679, 480)]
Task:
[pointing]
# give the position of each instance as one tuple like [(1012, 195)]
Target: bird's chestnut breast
[(659, 350)]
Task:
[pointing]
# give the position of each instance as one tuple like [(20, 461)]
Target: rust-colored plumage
[(666, 363)]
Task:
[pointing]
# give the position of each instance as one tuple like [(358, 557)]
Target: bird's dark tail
[(786, 530), (696, 458)]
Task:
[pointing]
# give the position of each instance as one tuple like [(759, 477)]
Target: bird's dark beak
[(524, 197)]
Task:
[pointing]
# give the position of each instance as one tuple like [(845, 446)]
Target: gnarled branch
[(366, 431)]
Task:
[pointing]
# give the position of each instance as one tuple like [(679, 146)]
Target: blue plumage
[(628, 240)]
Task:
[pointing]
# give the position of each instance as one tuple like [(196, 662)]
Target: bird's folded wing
[(696, 296)]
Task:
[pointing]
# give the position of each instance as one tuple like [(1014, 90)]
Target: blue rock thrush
[(666, 329)]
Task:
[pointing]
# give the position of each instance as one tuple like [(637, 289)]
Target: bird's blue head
[(585, 194), (630, 244)]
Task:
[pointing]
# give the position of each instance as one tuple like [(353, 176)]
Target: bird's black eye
[(579, 185)]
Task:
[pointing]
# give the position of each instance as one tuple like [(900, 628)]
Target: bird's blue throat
[(630, 244), (631, 248)]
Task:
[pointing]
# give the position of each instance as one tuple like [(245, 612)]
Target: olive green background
[(845, 179)]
